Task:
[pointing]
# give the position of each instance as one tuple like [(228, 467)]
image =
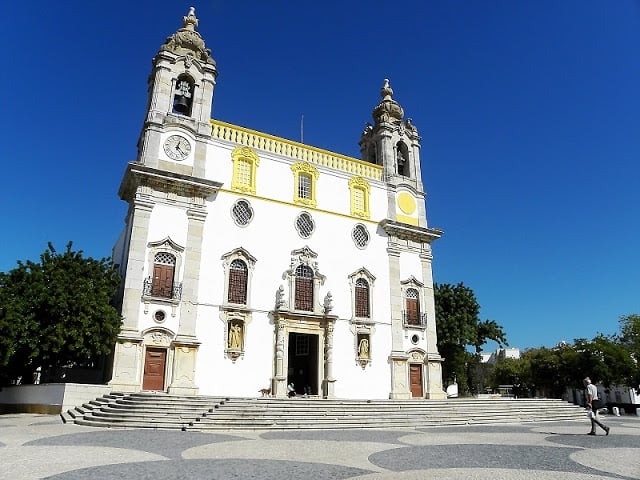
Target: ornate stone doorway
[(155, 362), (302, 368)]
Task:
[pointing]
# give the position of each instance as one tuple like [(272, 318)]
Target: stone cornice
[(138, 175), (410, 232)]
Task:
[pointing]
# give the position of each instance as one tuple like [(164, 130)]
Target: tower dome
[(187, 41), (388, 110)]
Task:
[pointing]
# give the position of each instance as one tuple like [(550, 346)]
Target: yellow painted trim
[(407, 220), (239, 155), (359, 184), (303, 168), (291, 204), (294, 150)]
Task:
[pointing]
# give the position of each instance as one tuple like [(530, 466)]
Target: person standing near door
[(592, 405)]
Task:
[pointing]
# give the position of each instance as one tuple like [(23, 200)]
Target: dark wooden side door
[(154, 367), (415, 380)]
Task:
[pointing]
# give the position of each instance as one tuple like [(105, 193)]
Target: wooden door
[(162, 285), (415, 380), (154, 367)]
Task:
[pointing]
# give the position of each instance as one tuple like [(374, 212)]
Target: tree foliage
[(459, 328), (56, 312)]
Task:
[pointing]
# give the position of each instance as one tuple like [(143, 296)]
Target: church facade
[(254, 262)]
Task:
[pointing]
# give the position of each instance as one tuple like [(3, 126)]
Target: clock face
[(177, 147)]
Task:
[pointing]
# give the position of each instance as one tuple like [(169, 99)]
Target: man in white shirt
[(592, 405)]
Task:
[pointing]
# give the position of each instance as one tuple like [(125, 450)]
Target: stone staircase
[(203, 413)]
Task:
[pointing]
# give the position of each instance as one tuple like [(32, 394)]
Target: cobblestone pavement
[(41, 446)]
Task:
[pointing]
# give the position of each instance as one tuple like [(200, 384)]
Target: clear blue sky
[(529, 113)]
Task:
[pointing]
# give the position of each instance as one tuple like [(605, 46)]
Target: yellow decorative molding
[(245, 163), (360, 190), (294, 150), (302, 170)]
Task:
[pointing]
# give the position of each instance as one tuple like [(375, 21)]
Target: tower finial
[(190, 22)]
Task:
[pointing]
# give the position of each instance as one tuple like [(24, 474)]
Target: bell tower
[(181, 87), (394, 144)]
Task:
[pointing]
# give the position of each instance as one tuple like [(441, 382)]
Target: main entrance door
[(303, 363), (154, 367), (415, 380)]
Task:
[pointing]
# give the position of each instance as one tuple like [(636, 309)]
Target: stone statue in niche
[(235, 336), (363, 348)]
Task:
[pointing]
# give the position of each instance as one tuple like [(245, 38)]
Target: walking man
[(592, 404)]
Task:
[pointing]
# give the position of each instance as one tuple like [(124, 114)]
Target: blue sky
[(529, 113)]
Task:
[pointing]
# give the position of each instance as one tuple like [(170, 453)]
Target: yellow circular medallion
[(407, 203)]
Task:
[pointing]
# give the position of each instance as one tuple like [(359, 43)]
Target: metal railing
[(171, 293), (414, 320)]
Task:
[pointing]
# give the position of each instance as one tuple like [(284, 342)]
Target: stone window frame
[(166, 245), (241, 156), (359, 184), (307, 257), (250, 261), (304, 168), (364, 274), (413, 284)]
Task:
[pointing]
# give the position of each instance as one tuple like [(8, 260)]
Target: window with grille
[(305, 225), (163, 270), (412, 302), (304, 288), (358, 200), (242, 213), (304, 186), (238, 274), (362, 298), (302, 345), (360, 236)]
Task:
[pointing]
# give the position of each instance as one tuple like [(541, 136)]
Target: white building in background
[(500, 354), (251, 261)]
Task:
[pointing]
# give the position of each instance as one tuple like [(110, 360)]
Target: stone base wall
[(48, 398)]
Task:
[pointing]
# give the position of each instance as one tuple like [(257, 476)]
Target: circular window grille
[(242, 212), (360, 236), (159, 316), (305, 225)]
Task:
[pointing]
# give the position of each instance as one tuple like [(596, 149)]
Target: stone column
[(329, 380), (279, 382)]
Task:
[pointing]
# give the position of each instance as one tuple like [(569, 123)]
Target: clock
[(177, 147)]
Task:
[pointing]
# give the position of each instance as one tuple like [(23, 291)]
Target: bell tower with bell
[(181, 87)]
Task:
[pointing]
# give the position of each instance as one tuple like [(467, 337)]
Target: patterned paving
[(40, 446)]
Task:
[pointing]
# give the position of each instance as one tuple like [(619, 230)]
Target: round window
[(242, 213), (159, 316), (415, 339), (360, 236), (305, 225)]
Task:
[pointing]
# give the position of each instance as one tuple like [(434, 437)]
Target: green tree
[(56, 312), (459, 327), (629, 338)]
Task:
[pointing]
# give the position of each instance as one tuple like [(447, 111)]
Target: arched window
[(238, 274), (402, 153), (362, 298), (304, 288), (412, 304), (164, 265), (183, 96), (245, 165)]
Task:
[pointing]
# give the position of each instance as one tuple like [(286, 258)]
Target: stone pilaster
[(140, 215), (184, 368), (398, 357), (126, 364), (399, 376)]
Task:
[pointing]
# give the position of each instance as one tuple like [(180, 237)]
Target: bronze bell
[(181, 105)]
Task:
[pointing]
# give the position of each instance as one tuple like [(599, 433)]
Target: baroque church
[(336, 301)]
